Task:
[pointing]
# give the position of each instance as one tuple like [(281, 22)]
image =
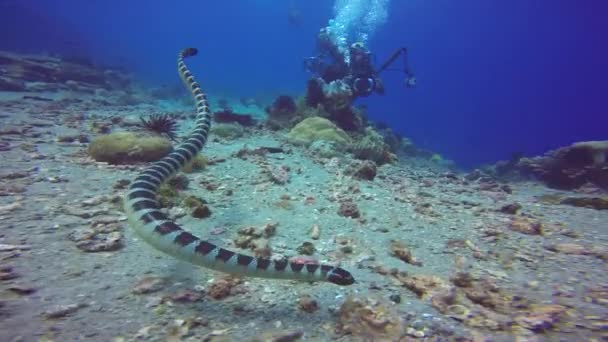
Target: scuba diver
[(362, 77), (356, 70)]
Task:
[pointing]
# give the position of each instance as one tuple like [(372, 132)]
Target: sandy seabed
[(436, 257)]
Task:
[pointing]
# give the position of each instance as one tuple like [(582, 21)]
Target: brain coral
[(316, 128), (128, 147)]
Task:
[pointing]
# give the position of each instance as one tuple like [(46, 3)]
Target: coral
[(307, 248), (48, 73), (348, 118), (436, 158), (167, 196), (422, 285), (337, 96), (324, 149), (595, 150), (402, 252), (223, 287), (333, 101), (597, 203), (201, 211), (227, 131), (128, 147), (365, 169), (316, 128), (198, 163), (368, 320), (198, 206), (256, 240), (314, 92), (100, 238), (392, 139), (179, 182), (228, 116), (282, 113), (567, 167), (162, 124), (372, 147)]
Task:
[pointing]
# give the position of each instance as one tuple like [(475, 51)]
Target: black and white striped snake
[(158, 230)]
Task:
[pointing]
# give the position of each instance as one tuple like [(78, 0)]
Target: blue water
[(494, 77)]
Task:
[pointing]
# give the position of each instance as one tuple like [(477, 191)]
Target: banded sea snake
[(159, 231)]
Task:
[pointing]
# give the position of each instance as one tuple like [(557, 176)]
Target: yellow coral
[(316, 128), (128, 147), (198, 163)]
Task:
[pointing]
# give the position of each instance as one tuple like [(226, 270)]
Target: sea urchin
[(160, 123)]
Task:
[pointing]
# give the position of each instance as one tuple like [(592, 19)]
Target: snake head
[(188, 52), (340, 276)]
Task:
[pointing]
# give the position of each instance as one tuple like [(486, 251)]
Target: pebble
[(395, 298), (7, 248), (315, 232), (63, 310)]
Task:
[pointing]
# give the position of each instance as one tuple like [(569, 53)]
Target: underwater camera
[(364, 86), (410, 79)]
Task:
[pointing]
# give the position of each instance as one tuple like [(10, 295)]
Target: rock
[(348, 209), (306, 248), (22, 290), (282, 113), (366, 170), (201, 211), (279, 336), (570, 167), (422, 284), (227, 131), (401, 251), (81, 138), (569, 248), (222, 288), (7, 248), (97, 240), (269, 229), (526, 226), (307, 304), (7, 272), (10, 84), (47, 73), (149, 285), (187, 296), (510, 208), (278, 174), (324, 149), (62, 311), (540, 318), (597, 203), (371, 146), (227, 116), (315, 232), (395, 298)]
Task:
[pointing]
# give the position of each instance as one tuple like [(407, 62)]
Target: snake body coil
[(158, 230)]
